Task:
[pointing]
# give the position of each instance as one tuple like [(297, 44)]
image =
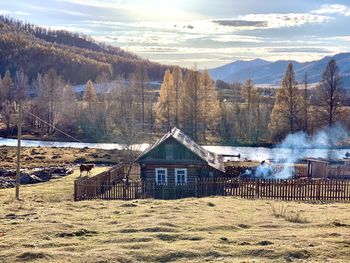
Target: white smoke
[(300, 146)]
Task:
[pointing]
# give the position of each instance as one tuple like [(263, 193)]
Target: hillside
[(76, 57), (265, 72)]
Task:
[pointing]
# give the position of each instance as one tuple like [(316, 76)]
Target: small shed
[(176, 159), (328, 168)]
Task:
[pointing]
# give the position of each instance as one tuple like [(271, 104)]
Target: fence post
[(257, 188), (195, 187), (75, 190), (318, 193)]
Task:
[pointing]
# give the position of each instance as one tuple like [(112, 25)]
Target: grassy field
[(47, 226)]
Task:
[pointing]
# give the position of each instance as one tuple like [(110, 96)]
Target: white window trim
[(180, 169), (166, 174)]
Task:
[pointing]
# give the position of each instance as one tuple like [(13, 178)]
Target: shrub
[(290, 216)]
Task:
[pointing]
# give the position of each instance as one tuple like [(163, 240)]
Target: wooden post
[(195, 187), (19, 133)]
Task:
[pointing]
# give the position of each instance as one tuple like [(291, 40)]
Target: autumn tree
[(305, 103), (177, 81), (139, 80), (50, 88), (166, 105), (89, 104), (189, 103), (89, 99), (7, 98), (68, 112), (331, 94), (286, 111), (209, 107), (250, 96)]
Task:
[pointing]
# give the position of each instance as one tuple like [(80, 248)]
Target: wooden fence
[(295, 189)]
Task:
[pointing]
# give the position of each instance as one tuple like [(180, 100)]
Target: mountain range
[(267, 72)]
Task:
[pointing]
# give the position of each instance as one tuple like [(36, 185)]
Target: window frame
[(166, 176), (180, 169)]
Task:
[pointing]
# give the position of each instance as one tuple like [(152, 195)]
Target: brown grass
[(33, 157), (47, 226), (290, 216)]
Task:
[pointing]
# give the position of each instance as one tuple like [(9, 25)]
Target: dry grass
[(33, 157), (47, 226), (290, 216)]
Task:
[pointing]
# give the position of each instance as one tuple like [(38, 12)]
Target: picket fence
[(292, 189)]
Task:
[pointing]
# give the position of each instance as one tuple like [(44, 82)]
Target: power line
[(64, 133)]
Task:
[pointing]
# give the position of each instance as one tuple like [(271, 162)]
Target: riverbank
[(35, 157)]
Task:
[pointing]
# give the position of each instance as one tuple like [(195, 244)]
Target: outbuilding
[(176, 159), (328, 168)]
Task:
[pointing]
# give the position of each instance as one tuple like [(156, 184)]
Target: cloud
[(342, 38), (276, 20), (19, 13), (332, 9), (301, 50), (241, 23)]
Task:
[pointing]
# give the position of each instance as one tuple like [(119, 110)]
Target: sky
[(207, 33)]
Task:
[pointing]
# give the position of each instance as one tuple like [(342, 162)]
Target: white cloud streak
[(19, 13), (275, 20), (328, 9)]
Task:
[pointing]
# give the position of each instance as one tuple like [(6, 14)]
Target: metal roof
[(329, 160), (213, 160)]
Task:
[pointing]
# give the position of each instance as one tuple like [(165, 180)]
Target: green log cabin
[(176, 159)]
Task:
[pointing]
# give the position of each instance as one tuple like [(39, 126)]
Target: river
[(250, 153)]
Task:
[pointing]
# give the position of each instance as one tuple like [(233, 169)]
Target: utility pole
[(19, 133)]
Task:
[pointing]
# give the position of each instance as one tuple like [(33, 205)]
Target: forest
[(75, 57), (236, 114)]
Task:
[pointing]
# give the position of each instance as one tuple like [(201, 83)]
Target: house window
[(180, 176), (161, 176)]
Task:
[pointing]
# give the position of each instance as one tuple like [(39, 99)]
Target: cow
[(87, 168)]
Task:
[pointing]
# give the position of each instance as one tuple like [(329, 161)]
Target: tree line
[(190, 100)]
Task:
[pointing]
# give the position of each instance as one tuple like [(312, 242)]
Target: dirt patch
[(261, 252), (130, 240), (176, 255), (221, 227), (175, 237), (78, 233), (30, 256), (244, 226), (340, 224), (158, 229), (129, 205), (301, 254), (265, 243)]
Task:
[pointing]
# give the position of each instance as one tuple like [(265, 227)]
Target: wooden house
[(328, 168), (175, 159)]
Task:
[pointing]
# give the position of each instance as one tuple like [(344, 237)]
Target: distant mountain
[(76, 57), (265, 72)]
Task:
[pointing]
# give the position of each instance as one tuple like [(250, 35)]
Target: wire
[(64, 133)]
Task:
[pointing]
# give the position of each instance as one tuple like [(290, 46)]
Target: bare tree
[(331, 93), (306, 102)]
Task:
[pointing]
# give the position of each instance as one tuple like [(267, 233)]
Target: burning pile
[(299, 146), (269, 171)]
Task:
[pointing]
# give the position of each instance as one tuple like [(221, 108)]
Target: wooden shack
[(328, 168), (176, 159)]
